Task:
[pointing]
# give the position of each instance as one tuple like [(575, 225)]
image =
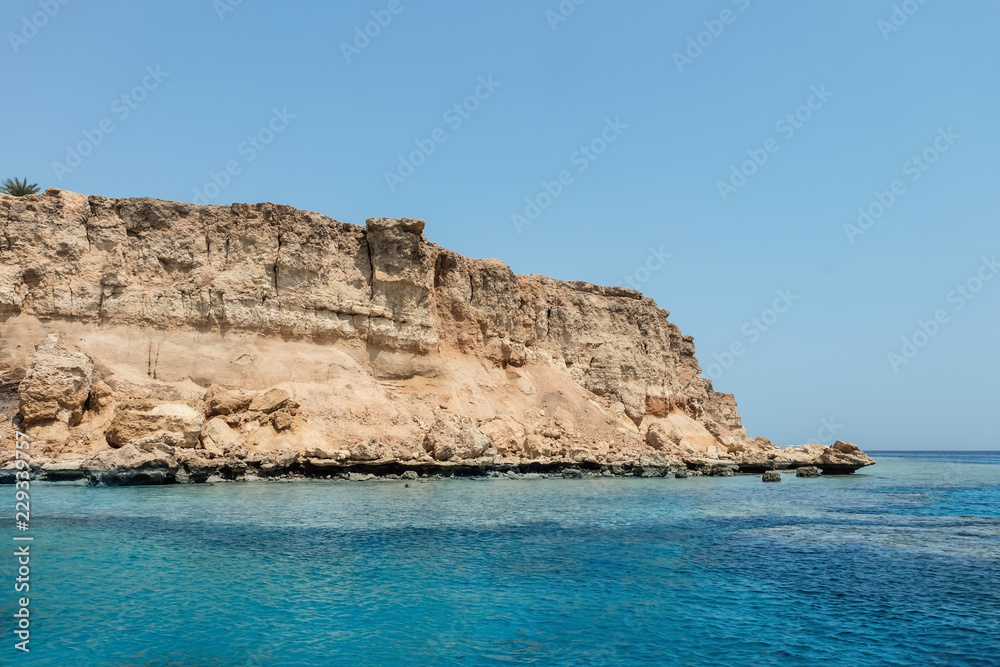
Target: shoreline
[(242, 471)]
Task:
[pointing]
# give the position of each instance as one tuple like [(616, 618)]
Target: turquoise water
[(897, 565)]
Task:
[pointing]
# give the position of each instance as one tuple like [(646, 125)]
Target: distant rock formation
[(152, 341)]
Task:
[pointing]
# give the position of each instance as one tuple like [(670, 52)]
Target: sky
[(808, 188)]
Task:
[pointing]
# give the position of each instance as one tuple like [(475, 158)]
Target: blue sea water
[(896, 565)]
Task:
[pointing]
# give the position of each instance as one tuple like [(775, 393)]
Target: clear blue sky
[(678, 128)]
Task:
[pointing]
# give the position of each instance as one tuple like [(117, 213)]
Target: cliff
[(191, 341)]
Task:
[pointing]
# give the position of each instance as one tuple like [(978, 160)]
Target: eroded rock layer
[(182, 342)]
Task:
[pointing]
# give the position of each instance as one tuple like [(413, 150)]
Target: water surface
[(896, 565)]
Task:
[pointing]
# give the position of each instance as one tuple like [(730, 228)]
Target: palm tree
[(19, 188)]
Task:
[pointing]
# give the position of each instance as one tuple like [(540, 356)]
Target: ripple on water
[(894, 567)]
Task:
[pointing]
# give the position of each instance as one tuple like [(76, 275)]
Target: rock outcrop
[(186, 343)]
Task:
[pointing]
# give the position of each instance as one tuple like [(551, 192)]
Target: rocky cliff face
[(261, 338)]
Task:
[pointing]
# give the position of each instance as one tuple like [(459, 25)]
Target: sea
[(898, 564)]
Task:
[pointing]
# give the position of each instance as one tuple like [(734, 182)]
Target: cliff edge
[(146, 341)]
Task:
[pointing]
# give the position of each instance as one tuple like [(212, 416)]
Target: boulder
[(455, 438), (842, 458), (539, 447), (220, 401), (274, 462), (270, 401), (808, 471), (410, 475), (102, 396), (56, 386), (658, 460), (505, 436), (772, 476), (139, 418), (281, 420), (149, 460), (658, 438), (368, 450), (217, 436)]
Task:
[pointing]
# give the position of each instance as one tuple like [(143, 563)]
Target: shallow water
[(897, 565)]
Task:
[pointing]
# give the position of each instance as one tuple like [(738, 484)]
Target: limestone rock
[(772, 476), (145, 417), (269, 401), (217, 437), (281, 420), (808, 471), (455, 438), (368, 450), (539, 447), (505, 436), (220, 401), (658, 438), (274, 462), (62, 471), (57, 385), (843, 458), (324, 452), (102, 397), (658, 460), (148, 460)]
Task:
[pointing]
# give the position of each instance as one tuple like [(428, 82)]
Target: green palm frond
[(19, 188)]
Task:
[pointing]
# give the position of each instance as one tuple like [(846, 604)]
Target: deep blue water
[(897, 565)]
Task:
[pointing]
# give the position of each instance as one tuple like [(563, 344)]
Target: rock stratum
[(146, 341)]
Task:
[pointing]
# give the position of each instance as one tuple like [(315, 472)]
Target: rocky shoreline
[(152, 461), (236, 471)]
